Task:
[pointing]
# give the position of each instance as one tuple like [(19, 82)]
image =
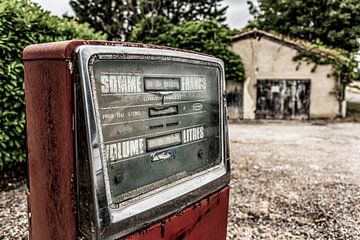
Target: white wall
[(266, 59)]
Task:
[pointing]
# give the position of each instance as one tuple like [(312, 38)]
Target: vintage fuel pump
[(125, 141)]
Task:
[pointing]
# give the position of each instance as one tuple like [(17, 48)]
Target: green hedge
[(23, 23)]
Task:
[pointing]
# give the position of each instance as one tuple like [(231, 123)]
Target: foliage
[(343, 63), (117, 18), (21, 24), (331, 26), (343, 68), (208, 37), (334, 23), (152, 30)]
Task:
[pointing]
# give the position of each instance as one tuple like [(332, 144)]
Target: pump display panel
[(156, 124), (160, 123)]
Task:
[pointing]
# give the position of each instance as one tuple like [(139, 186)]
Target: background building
[(276, 86)]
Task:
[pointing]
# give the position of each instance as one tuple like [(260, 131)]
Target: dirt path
[(288, 182), (295, 182)]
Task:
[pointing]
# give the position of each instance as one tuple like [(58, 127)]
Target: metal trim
[(113, 223)]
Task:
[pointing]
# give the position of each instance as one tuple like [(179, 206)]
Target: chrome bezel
[(112, 223)]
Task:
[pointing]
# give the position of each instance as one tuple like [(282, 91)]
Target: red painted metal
[(50, 141), (206, 220), (48, 95), (65, 50)]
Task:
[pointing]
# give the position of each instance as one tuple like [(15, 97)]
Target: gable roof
[(300, 45)]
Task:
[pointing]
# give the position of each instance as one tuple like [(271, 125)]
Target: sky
[(237, 13)]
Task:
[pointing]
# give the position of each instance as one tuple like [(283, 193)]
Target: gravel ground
[(13, 214), (289, 181), (295, 181)]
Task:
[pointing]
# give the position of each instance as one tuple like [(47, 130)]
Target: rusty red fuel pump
[(125, 141)]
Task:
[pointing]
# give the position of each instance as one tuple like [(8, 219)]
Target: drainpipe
[(343, 100)]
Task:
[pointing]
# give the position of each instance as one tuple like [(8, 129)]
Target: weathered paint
[(282, 99), (50, 140), (65, 49), (48, 97), (234, 93), (48, 78), (265, 58), (206, 219)]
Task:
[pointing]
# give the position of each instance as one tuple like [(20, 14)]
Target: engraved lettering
[(120, 83), (119, 156), (113, 152), (193, 83), (108, 116), (193, 134), (125, 149), (113, 84), (120, 114), (134, 148), (104, 84), (141, 146), (134, 113)]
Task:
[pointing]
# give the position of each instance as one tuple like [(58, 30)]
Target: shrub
[(208, 37), (23, 23)]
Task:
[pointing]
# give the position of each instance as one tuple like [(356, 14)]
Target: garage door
[(282, 99)]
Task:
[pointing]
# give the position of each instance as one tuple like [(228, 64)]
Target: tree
[(206, 36), (23, 23), (117, 18), (198, 10), (335, 23)]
